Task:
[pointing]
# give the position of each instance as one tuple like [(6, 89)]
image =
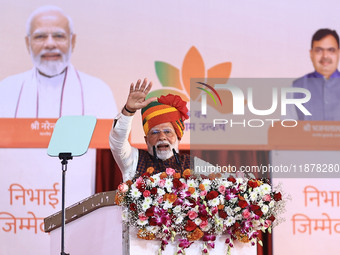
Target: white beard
[(51, 67), (164, 155)]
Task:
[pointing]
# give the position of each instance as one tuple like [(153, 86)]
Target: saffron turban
[(169, 108)]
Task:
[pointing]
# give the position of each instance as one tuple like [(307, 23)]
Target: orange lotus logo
[(177, 81)]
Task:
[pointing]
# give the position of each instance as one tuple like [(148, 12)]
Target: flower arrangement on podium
[(168, 205)]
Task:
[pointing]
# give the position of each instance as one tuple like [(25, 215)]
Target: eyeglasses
[(319, 50), (167, 132), (59, 37)]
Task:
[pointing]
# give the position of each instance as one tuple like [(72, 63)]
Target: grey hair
[(44, 9)]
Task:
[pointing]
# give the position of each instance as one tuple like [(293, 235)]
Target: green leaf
[(260, 242), (168, 75)]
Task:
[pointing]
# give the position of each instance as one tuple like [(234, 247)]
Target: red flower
[(152, 221), (231, 179), (253, 183), (258, 213), (140, 186), (203, 217), (212, 194), (146, 193), (237, 225), (190, 226), (154, 191), (177, 102), (255, 207), (242, 203), (277, 196), (146, 175), (222, 214), (133, 207), (272, 218), (150, 212), (177, 183)]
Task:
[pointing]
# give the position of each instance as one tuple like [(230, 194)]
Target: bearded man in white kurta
[(53, 88)]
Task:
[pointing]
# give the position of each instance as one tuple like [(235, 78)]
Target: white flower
[(253, 196), (239, 180), (226, 183), (233, 200), (192, 183), (206, 183), (229, 211), (237, 209), (179, 220), (168, 184), (257, 190), (221, 199), (214, 202), (148, 200), (156, 178), (177, 209), (255, 223), (238, 217), (260, 203), (135, 193), (230, 221), (149, 183), (160, 192), (207, 227), (167, 205), (152, 229), (271, 204), (243, 188), (197, 221), (265, 209), (142, 222), (218, 220), (145, 206), (195, 195), (265, 189)]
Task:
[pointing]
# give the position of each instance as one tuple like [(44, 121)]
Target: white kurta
[(31, 95)]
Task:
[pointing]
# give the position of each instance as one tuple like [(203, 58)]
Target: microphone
[(155, 153), (177, 159)]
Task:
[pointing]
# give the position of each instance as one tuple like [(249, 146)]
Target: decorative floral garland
[(166, 205)]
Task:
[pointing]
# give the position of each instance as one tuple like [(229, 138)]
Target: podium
[(94, 226)]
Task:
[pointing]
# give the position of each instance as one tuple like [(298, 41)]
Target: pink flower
[(146, 193), (246, 214), (123, 187), (203, 193), (221, 189), (205, 226), (161, 183), (170, 171), (139, 180), (160, 200), (267, 223), (266, 198), (192, 215), (142, 217)]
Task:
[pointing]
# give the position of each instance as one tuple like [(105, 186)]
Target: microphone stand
[(64, 160)]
